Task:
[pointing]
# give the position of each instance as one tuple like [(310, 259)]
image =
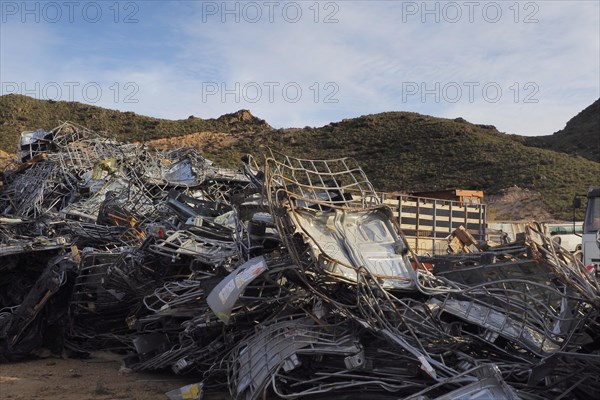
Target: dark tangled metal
[(287, 280)]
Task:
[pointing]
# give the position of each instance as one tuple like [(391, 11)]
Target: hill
[(19, 113), (580, 136), (400, 151), (411, 152)]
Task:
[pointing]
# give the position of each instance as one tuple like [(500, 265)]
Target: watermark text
[(69, 11), (470, 11), (454, 92), (270, 11), (254, 92), (89, 92)]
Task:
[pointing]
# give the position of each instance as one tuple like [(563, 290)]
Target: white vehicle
[(568, 235), (591, 231)]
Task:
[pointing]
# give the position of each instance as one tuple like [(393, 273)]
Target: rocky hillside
[(19, 113), (580, 136), (400, 151)]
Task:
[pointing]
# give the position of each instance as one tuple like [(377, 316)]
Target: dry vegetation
[(399, 151)]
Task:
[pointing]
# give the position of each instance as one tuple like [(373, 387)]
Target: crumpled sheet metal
[(287, 280), (346, 240), (276, 354), (538, 300), (224, 296), (313, 199), (490, 386)]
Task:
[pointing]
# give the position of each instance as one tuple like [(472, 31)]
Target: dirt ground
[(5, 159), (95, 378)]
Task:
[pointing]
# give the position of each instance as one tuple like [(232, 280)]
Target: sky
[(526, 67)]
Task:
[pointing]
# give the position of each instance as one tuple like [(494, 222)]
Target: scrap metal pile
[(288, 280)]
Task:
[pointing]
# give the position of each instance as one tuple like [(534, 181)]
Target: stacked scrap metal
[(284, 280)]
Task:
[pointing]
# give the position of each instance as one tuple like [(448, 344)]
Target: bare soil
[(517, 204), (6, 159), (95, 378), (201, 141)]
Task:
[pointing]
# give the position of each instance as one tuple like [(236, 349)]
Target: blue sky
[(526, 67)]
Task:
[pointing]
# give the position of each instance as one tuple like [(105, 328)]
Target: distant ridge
[(580, 136), (399, 151)]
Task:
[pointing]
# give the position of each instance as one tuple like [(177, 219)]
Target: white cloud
[(369, 57)]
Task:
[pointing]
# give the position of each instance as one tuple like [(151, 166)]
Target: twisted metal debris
[(285, 280)]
